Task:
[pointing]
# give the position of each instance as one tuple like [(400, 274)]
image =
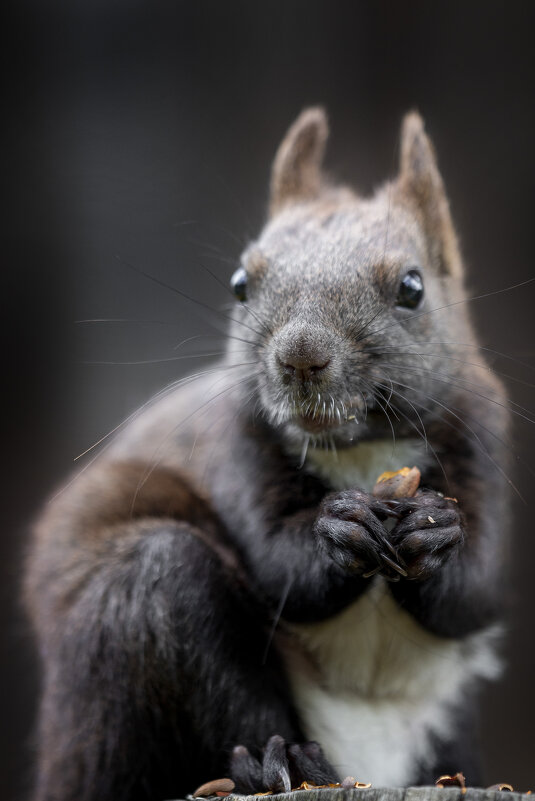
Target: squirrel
[(219, 592)]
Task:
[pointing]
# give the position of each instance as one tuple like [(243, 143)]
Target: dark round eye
[(411, 290), (238, 284)]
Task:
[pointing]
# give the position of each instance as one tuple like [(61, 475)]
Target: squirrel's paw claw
[(281, 767), (430, 531)]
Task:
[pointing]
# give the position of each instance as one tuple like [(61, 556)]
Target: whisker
[(424, 432), (501, 354), (155, 462), (124, 320), (387, 417), (353, 334), (454, 303), (182, 294), (240, 406), (157, 396), (244, 305), (276, 618), (162, 361), (218, 255), (488, 368), (226, 335), (479, 442), (449, 381), (508, 445), (239, 409), (423, 437), (306, 443), (190, 339)]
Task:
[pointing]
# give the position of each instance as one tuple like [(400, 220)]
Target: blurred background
[(141, 134)]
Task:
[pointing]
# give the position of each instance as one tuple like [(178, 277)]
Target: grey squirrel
[(219, 593)]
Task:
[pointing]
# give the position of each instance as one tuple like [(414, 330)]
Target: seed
[(508, 788), (214, 787), (399, 484), (457, 780)]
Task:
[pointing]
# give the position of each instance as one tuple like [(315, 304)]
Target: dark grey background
[(142, 132)]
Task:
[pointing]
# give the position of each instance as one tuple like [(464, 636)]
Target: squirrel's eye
[(411, 290), (238, 284)]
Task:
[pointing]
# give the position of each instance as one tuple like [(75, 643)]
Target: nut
[(399, 484), (215, 787)]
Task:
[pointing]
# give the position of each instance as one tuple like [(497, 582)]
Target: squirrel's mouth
[(335, 418), (317, 414), (316, 423)]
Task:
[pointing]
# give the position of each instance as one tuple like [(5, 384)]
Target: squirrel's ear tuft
[(296, 172), (418, 164), (421, 185)]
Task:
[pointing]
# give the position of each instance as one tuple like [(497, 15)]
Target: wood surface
[(389, 794)]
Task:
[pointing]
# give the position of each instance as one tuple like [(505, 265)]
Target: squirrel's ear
[(421, 184), (296, 171)]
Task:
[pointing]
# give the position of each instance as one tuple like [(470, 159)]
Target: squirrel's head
[(339, 292)]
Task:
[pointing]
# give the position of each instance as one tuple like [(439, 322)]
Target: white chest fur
[(381, 684), (361, 465)]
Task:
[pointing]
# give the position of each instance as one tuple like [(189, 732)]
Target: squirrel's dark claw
[(246, 771), (308, 763), (275, 768), (394, 565), (429, 532), (282, 767)]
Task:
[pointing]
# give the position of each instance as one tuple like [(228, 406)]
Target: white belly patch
[(380, 685)]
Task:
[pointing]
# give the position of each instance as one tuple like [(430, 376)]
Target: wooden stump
[(387, 794)]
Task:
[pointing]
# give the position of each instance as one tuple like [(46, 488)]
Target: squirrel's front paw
[(350, 528), (429, 532)]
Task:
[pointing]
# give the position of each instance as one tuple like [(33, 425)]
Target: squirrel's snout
[(302, 368), (302, 357)]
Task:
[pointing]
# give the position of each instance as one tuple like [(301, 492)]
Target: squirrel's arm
[(272, 509), (467, 593)]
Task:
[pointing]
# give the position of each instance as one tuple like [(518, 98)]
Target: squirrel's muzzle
[(302, 355)]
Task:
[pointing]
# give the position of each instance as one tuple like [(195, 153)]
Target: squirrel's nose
[(301, 357), (303, 367), (304, 353)]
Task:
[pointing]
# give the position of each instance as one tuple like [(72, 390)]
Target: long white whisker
[(445, 379), (154, 462), (463, 422), (386, 352), (184, 295), (157, 396), (162, 361), (454, 303)]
